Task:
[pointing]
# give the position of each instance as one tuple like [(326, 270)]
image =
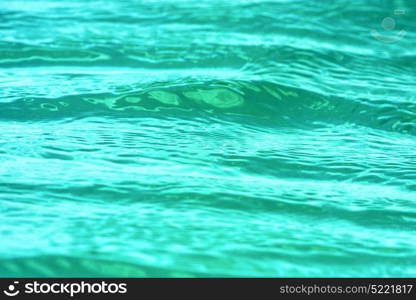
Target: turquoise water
[(207, 138)]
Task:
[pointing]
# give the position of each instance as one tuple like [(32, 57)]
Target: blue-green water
[(207, 138)]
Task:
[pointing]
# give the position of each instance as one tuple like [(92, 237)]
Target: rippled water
[(207, 138)]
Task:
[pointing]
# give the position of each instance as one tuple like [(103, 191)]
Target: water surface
[(207, 138)]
